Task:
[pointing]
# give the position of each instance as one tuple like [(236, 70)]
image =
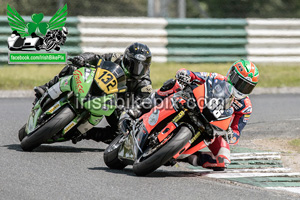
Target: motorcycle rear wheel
[(110, 156), (145, 165), (47, 130)]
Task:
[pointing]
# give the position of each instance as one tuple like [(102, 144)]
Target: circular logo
[(153, 118)]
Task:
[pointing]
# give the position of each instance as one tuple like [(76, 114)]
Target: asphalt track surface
[(67, 171)]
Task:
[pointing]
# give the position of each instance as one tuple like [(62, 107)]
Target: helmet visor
[(241, 84), (138, 68)]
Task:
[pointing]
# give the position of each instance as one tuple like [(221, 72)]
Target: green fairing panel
[(104, 105), (94, 120), (82, 81), (32, 121), (65, 83)]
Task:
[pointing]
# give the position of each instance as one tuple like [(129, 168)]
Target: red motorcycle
[(182, 124)]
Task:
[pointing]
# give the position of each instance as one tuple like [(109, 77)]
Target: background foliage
[(194, 8)]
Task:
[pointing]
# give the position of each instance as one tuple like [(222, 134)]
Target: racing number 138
[(106, 78)]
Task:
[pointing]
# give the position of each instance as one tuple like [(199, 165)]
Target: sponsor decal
[(153, 118), (164, 93), (237, 103), (54, 108), (147, 89), (246, 118), (179, 116), (65, 81), (69, 126), (248, 110), (77, 74), (140, 57), (87, 72)]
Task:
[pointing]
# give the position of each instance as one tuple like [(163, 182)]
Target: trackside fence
[(181, 40)]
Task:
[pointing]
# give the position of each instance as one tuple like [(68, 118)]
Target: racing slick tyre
[(110, 155), (48, 129), (146, 164), (22, 133)]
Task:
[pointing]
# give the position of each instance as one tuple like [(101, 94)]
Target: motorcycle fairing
[(103, 105), (158, 114), (199, 93), (166, 131), (81, 82), (130, 149), (65, 83), (37, 111)]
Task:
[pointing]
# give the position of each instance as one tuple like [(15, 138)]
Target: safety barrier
[(273, 40), (181, 40), (110, 34)]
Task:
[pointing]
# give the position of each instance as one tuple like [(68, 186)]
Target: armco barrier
[(273, 40), (181, 40), (110, 34)]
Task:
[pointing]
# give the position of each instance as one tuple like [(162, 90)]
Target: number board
[(106, 81)]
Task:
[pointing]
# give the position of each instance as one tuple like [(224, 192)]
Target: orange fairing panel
[(182, 150), (199, 93), (222, 124), (194, 149), (157, 114), (166, 131)]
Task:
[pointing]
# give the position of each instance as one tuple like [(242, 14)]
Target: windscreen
[(218, 96)]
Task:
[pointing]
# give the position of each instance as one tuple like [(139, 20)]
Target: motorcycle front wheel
[(148, 163), (22, 133), (110, 156), (48, 129)]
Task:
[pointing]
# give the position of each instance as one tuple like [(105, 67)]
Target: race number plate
[(106, 81)]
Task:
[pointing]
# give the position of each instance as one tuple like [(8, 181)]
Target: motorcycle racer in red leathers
[(243, 75)]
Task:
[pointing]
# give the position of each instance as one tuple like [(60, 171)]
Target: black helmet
[(137, 59)]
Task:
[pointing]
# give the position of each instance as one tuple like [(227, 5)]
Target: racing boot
[(207, 160), (106, 135), (40, 90)]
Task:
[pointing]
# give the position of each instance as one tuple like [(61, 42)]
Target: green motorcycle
[(74, 105)]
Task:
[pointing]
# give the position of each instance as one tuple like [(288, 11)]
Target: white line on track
[(290, 189), (242, 175), (269, 170), (262, 157)]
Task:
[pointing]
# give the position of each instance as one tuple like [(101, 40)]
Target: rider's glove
[(134, 113), (229, 135), (78, 61), (183, 77)]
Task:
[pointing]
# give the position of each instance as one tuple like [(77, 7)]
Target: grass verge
[(20, 77), (296, 144)]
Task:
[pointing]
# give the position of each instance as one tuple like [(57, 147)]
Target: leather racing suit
[(219, 157)]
